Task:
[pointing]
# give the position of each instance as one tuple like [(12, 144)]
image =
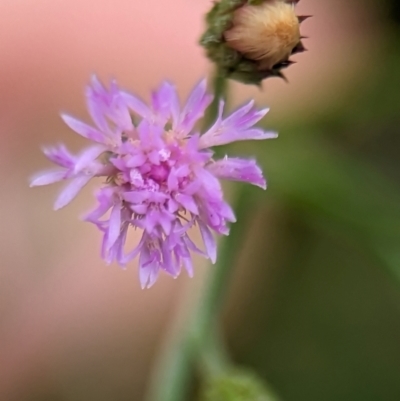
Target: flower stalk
[(173, 376)]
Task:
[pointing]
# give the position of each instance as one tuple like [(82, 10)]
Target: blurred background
[(314, 302)]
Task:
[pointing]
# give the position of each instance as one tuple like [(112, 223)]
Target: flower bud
[(251, 40), (237, 385)]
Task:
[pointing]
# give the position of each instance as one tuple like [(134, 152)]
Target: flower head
[(160, 175), (251, 40)]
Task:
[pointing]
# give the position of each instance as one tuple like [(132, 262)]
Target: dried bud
[(251, 40)]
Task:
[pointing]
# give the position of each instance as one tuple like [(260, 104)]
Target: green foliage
[(236, 386)]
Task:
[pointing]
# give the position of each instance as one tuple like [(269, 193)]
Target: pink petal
[(144, 274), (135, 160), (88, 156), (245, 116), (114, 227), (170, 96), (172, 206), (132, 255), (71, 190), (94, 94), (172, 181), (236, 127), (239, 170), (83, 129), (136, 105), (136, 196), (165, 103), (188, 266), (195, 106), (168, 262), (47, 177), (165, 220), (154, 273), (148, 268), (60, 155), (192, 246), (187, 202), (139, 209), (209, 242), (192, 187), (101, 209), (151, 220)]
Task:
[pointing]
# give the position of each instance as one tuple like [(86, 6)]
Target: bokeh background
[(314, 301)]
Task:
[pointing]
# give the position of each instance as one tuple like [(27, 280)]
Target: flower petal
[(168, 263), (88, 156), (105, 197), (119, 245), (148, 268), (187, 202), (236, 127), (192, 246), (60, 155), (245, 117), (239, 170), (96, 97), (144, 266), (168, 103), (135, 251), (136, 105), (195, 106), (71, 190), (114, 225), (139, 209), (136, 160), (136, 196), (83, 129), (209, 242), (154, 273), (48, 177), (187, 261), (165, 103)]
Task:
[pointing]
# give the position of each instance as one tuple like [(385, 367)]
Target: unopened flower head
[(236, 385), (251, 40), (160, 176)]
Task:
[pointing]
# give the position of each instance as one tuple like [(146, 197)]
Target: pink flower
[(160, 174)]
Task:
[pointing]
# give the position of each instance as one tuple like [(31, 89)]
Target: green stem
[(213, 359), (220, 87), (212, 297), (173, 380)]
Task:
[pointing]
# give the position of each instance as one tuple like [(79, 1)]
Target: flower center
[(159, 173)]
